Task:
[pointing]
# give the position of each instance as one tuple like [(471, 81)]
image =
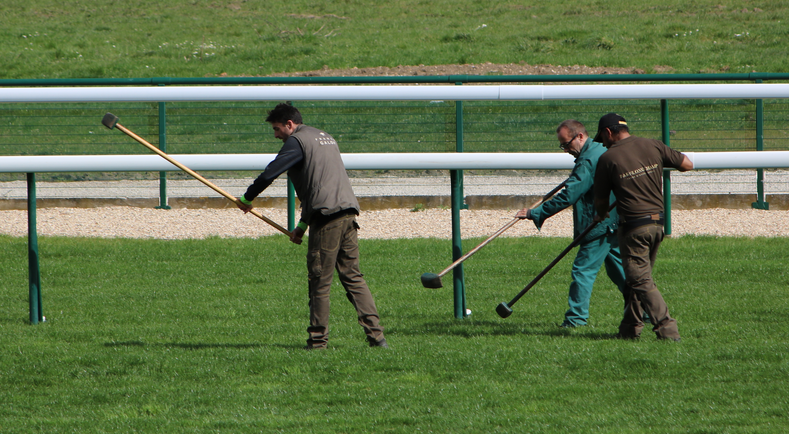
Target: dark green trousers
[(334, 245), (591, 256)]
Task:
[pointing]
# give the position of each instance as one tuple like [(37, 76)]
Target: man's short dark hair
[(283, 113), (615, 129)]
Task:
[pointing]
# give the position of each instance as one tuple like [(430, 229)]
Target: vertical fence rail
[(163, 147), (36, 309), (291, 205), (760, 202), (666, 133), (456, 182), (457, 247)]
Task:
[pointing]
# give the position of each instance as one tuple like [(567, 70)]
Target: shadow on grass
[(15, 320), (193, 346), (471, 329)]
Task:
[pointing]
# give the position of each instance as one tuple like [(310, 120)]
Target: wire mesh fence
[(376, 127)]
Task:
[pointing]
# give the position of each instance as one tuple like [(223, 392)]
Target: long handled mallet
[(505, 309), (111, 121), (432, 280)]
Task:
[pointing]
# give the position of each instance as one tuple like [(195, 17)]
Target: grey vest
[(321, 182)]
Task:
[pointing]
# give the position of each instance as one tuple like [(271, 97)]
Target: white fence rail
[(391, 93), (389, 161)]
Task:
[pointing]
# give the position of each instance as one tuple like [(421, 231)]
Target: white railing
[(389, 161), (391, 93)]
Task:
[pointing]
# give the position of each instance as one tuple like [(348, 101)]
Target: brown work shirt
[(633, 169)]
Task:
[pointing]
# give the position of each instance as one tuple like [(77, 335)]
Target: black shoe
[(382, 343), (570, 325), (311, 347)]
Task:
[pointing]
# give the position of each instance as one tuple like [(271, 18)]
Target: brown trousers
[(333, 245), (639, 247)]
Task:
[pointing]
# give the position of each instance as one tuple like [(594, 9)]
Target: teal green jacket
[(579, 193)]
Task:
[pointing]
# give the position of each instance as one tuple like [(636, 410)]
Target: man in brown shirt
[(633, 169)]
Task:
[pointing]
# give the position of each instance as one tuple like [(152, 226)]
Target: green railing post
[(36, 309), (163, 147), (664, 122), (457, 246), (456, 183), (459, 144), (291, 205), (291, 198), (760, 203)]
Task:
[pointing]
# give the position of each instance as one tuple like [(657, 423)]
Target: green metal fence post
[(291, 198), (457, 246), (666, 173), (760, 203), (459, 144), (36, 310), (456, 183), (163, 147), (291, 205)]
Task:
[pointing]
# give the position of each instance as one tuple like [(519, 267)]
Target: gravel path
[(131, 222), (517, 183)]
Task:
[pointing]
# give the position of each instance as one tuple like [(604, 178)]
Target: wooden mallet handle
[(501, 231), (111, 121)]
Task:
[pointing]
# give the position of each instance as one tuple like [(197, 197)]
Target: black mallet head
[(109, 120), (431, 280), (503, 310)]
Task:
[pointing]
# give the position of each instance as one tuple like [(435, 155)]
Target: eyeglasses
[(565, 145)]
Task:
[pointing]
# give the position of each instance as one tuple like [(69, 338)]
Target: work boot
[(667, 330), (569, 324), (629, 331), (382, 343), (313, 344)]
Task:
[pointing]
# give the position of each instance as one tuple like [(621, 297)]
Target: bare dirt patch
[(466, 69)]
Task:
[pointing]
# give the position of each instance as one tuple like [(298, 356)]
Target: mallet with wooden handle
[(432, 280), (504, 309), (111, 121)]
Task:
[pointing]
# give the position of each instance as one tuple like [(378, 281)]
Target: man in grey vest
[(329, 208)]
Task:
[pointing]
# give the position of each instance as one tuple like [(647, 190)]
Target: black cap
[(608, 121)]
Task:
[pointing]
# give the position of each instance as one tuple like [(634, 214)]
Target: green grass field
[(206, 336), (197, 38)]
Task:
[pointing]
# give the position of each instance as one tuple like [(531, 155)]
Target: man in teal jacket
[(600, 246)]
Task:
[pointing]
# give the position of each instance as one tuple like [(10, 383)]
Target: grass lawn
[(197, 38), (206, 336)]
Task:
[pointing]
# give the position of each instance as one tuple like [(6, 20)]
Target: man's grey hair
[(573, 127)]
